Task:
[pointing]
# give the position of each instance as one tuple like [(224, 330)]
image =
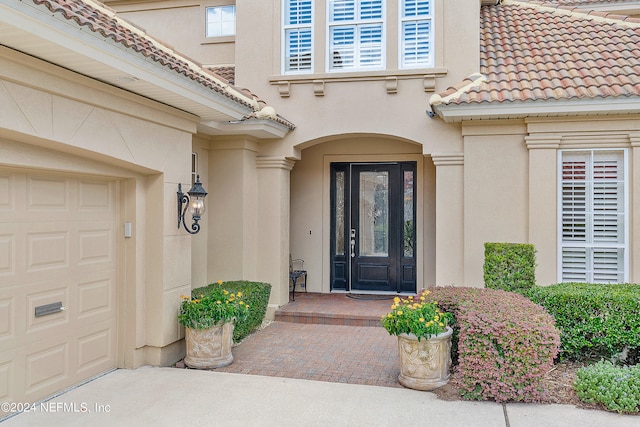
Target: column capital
[(448, 159), (537, 142), (274, 163)]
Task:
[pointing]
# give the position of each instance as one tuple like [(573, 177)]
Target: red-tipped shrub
[(506, 343)]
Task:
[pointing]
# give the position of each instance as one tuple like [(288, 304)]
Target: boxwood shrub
[(506, 343), (596, 321), (509, 266), (255, 294)]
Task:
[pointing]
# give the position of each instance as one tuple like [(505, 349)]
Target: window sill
[(218, 40), (318, 81)]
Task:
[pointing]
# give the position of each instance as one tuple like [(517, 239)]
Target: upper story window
[(593, 220), (416, 34), (356, 34), (220, 21), (298, 21)]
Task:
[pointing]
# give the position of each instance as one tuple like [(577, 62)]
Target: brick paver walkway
[(345, 354)]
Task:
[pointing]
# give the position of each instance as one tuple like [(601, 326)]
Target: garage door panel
[(95, 352), (47, 250), (94, 245), (46, 370), (96, 196), (41, 299), (95, 298), (7, 256), (7, 327), (47, 194)]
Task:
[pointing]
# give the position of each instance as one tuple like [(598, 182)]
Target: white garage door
[(57, 247)]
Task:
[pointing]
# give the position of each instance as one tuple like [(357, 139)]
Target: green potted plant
[(209, 321), (424, 341)]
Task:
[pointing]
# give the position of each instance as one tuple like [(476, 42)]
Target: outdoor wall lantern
[(194, 201)]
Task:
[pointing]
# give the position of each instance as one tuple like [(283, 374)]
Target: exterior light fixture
[(194, 201)]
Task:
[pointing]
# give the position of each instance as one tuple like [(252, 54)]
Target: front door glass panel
[(374, 214)]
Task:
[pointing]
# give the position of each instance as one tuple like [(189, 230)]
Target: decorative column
[(543, 206), (232, 210), (449, 218), (634, 210), (274, 174)]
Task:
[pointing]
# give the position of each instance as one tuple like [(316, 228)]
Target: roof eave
[(455, 113), (60, 32), (258, 128)]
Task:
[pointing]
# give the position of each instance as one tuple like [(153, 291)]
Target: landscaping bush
[(617, 388), (255, 295), (506, 344), (596, 321), (509, 266)]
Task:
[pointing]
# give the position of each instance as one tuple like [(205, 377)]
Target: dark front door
[(373, 227)]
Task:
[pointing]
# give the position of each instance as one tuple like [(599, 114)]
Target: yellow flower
[(239, 294), (436, 317), (422, 298), (396, 300), (246, 306), (226, 292), (441, 324), (399, 312), (422, 319), (389, 315), (393, 307), (196, 300), (241, 303), (218, 302), (219, 282), (411, 297)]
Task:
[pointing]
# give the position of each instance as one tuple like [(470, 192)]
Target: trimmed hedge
[(509, 266), (506, 343), (596, 321), (255, 294)]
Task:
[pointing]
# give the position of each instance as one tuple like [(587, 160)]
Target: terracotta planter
[(209, 348), (424, 364)]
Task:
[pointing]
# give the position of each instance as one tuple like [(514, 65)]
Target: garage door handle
[(54, 307)]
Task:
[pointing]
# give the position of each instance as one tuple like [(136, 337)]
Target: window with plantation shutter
[(356, 34), (593, 242), (298, 35), (416, 34)]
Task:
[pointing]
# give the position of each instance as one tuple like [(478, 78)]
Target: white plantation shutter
[(416, 34), (298, 35), (593, 232), (356, 35)]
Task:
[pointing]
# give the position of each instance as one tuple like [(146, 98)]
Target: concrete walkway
[(151, 396)]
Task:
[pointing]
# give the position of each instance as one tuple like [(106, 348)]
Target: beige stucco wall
[(495, 191), (52, 119), (180, 24)]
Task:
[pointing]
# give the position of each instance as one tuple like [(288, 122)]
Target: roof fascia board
[(262, 129), (458, 113), (87, 43)]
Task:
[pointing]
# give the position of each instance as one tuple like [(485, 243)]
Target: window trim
[(625, 246), (357, 23), (401, 21), (283, 44)]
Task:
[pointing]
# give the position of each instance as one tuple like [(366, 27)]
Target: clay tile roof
[(531, 51), (227, 72), (104, 21)]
